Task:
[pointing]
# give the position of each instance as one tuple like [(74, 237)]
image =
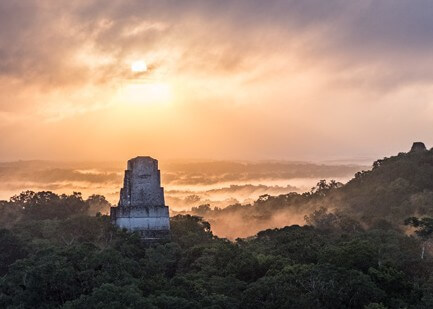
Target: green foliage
[(111, 296), (396, 188), (375, 306), (424, 226), (85, 262), (53, 255), (187, 230), (11, 249), (355, 254), (30, 205), (312, 286)]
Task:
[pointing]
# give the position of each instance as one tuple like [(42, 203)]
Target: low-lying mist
[(267, 212), (230, 195), (187, 183)]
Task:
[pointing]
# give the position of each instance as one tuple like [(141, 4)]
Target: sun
[(138, 66)]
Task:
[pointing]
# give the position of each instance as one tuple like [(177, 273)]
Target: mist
[(187, 183), (237, 198), (269, 212)]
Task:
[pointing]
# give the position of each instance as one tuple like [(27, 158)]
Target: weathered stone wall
[(142, 217), (141, 207), (142, 183)]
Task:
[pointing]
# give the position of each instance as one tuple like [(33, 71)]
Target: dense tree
[(424, 230), (354, 252), (11, 249), (74, 263)]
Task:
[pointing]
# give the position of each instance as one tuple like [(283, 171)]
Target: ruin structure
[(141, 206), (418, 147)]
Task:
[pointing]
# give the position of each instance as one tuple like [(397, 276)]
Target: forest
[(365, 244)]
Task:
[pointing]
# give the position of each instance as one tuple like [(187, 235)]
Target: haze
[(187, 183), (307, 80)]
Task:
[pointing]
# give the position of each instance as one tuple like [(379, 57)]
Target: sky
[(241, 80)]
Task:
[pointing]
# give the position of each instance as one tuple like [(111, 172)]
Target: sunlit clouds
[(142, 92), (214, 79)]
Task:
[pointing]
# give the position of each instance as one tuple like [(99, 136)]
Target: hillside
[(394, 189)]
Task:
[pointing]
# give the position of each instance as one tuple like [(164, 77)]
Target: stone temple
[(142, 207), (418, 147)]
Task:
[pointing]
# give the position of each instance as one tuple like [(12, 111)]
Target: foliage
[(394, 189), (354, 252), (72, 263)]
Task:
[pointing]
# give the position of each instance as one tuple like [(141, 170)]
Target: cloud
[(40, 39), (288, 78)]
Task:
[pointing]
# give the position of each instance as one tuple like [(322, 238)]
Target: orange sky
[(278, 79)]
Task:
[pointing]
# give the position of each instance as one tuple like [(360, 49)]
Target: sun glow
[(148, 93), (138, 66)]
